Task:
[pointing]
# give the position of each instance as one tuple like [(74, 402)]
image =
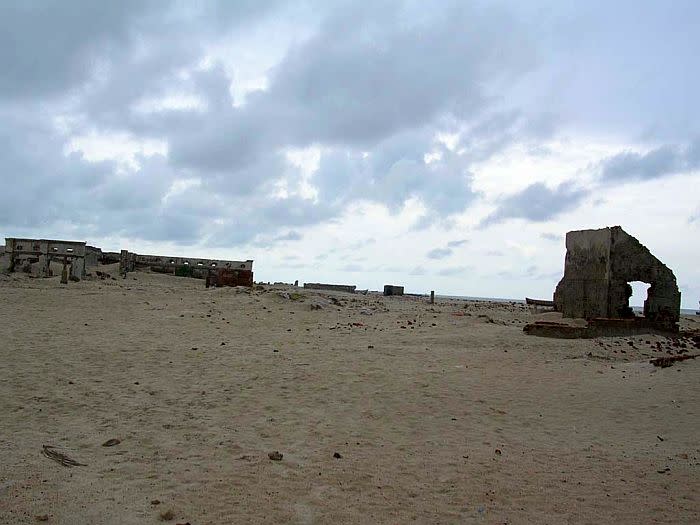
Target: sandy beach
[(385, 410)]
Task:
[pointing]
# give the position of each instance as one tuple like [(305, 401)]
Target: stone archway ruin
[(600, 264)]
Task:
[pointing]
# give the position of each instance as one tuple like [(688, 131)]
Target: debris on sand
[(111, 442), (337, 455), (665, 362), (167, 515), (59, 457), (275, 456)]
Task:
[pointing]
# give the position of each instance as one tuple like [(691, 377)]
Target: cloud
[(439, 253), (289, 236), (457, 244), (48, 48), (660, 162), (537, 203), (370, 74), (321, 92), (362, 243), (554, 237), (417, 271)]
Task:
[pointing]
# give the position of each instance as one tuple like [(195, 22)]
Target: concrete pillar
[(78, 268), (44, 263), (64, 273)]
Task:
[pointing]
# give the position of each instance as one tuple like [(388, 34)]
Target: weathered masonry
[(390, 289), (331, 287), (187, 266), (36, 256), (599, 266)]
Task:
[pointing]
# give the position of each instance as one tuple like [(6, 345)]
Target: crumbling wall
[(38, 254), (598, 268), (391, 289), (331, 287), (189, 266), (632, 261), (583, 291), (93, 256)]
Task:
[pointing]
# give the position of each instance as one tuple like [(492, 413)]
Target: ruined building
[(217, 271), (599, 266), (37, 255)]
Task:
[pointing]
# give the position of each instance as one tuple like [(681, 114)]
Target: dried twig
[(59, 457)]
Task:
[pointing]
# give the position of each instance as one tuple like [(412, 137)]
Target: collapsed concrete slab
[(598, 268)]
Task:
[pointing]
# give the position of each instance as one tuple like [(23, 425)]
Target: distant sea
[(684, 311)]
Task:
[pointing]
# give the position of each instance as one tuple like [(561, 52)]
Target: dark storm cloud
[(49, 46), (537, 203), (368, 74)]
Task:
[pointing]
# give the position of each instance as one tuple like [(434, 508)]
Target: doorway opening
[(640, 293)]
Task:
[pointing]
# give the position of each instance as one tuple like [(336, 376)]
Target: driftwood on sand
[(60, 457)]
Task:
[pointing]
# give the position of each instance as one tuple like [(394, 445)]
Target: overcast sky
[(444, 146)]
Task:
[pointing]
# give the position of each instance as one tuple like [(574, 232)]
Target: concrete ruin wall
[(331, 287), (110, 257), (93, 256), (390, 289), (197, 267), (598, 267), (40, 253)]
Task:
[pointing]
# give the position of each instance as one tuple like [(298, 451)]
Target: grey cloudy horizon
[(448, 148)]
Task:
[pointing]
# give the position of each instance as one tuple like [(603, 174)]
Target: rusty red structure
[(229, 277)]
